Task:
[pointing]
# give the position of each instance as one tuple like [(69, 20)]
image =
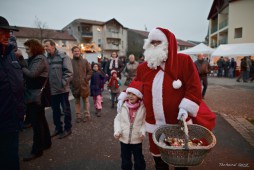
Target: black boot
[(113, 105), (160, 164)]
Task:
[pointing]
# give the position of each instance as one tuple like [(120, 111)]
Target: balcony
[(223, 24), (87, 34), (113, 35), (223, 41), (214, 29), (111, 47)]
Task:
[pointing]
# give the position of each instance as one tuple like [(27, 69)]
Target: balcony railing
[(113, 35), (111, 47), (214, 29), (223, 24), (87, 34), (224, 41)]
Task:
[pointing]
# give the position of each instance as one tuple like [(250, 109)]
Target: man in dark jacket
[(11, 99), (203, 68)]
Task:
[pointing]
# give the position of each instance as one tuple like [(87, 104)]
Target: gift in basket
[(183, 145)]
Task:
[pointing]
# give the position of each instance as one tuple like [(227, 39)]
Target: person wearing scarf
[(114, 64), (113, 87), (129, 127)]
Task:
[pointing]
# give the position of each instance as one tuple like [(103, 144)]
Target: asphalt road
[(92, 146)]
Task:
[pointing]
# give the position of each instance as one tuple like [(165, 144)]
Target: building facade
[(64, 41), (109, 36), (231, 22)]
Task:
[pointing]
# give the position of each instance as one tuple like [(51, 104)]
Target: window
[(238, 32)]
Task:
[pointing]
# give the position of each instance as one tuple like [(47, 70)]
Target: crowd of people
[(162, 87), (228, 68)]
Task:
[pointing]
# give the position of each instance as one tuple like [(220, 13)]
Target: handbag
[(34, 95)]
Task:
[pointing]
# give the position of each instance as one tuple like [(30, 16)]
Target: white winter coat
[(130, 132)]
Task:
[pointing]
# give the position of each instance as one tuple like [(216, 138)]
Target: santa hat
[(171, 65), (136, 87), (113, 72)]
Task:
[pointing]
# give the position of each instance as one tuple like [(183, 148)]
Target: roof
[(217, 6), (113, 19), (184, 43), (232, 50), (28, 32), (201, 48), (94, 22)]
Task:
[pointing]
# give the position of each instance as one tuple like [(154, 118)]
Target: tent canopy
[(200, 48), (233, 50)]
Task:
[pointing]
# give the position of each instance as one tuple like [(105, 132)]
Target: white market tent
[(234, 50), (200, 48)]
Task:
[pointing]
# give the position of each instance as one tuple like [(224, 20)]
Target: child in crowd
[(97, 81), (129, 127), (113, 87)]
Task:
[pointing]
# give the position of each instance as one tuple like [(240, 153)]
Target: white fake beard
[(155, 55)]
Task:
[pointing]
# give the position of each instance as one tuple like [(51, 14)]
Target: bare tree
[(43, 31)]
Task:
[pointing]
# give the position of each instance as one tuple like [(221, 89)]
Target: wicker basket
[(184, 156)]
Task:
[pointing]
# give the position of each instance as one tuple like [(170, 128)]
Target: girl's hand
[(117, 136), (142, 137)]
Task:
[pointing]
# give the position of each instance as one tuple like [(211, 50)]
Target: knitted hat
[(171, 65), (113, 72), (136, 87)]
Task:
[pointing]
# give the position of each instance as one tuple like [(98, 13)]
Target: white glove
[(182, 114), (121, 99)]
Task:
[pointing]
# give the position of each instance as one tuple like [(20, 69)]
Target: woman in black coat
[(36, 76)]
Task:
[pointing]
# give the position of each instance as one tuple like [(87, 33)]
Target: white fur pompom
[(177, 84)]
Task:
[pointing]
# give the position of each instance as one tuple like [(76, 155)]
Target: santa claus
[(171, 86)]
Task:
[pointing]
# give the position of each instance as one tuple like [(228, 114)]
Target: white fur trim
[(135, 91), (177, 84), (157, 98), (122, 96), (190, 106), (189, 122), (150, 128), (156, 34), (156, 155)]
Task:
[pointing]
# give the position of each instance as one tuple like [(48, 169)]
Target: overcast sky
[(187, 19)]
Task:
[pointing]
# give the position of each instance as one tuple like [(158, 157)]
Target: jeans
[(55, 104), (9, 157), (126, 152), (204, 82), (114, 97), (220, 72)]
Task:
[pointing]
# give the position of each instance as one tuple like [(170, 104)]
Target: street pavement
[(91, 146)]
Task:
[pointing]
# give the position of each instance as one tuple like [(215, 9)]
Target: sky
[(187, 19)]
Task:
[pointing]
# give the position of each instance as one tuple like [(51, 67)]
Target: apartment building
[(231, 22), (109, 36), (64, 41)]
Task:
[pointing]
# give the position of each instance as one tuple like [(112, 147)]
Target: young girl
[(129, 127), (113, 86), (97, 80)]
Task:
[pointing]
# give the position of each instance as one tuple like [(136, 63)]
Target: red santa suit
[(162, 98)]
